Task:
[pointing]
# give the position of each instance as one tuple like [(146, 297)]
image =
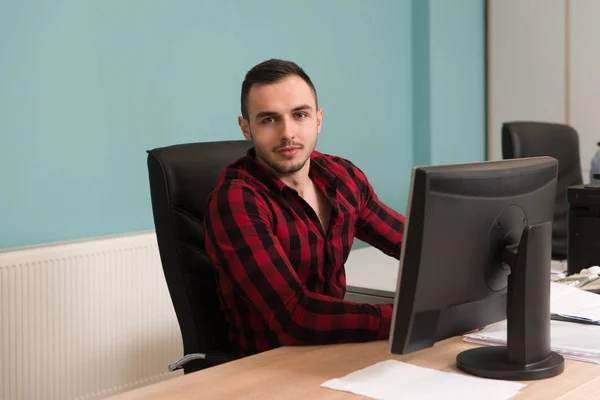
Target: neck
[(299, 180)]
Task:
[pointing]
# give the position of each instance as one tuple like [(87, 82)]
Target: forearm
[(310, 318)]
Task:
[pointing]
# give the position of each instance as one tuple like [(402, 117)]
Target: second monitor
[(477, 250)]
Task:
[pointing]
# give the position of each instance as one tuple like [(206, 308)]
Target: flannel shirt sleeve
[(377, 224), (241, 243)]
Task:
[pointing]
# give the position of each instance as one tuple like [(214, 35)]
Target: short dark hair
[(271, 71)]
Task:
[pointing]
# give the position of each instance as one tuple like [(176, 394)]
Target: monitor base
[(492, 362)]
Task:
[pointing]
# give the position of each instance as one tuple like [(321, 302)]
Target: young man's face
[(283, 124)]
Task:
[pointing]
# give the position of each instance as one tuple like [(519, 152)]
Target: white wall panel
[(584, 77), (526, 64)]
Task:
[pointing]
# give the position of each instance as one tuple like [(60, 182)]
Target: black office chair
[(181, 177), (532, 139)]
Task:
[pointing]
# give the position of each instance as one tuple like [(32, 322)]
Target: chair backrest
[(532, 139), (181, 178)]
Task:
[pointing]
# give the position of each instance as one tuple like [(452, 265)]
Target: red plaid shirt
[(281, 280)]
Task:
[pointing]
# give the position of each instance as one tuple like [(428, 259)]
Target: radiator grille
[(85, 320)]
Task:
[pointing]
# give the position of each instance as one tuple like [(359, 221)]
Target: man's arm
[(242, 245), (378, 224)]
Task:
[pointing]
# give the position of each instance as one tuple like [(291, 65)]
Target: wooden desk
[(297, 373)]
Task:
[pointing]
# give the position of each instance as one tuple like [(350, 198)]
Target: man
[(281, 221)]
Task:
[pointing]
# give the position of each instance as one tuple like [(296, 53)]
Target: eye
[(301, 115), (268, 120)]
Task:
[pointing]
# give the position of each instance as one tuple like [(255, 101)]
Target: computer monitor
[(477, 250)]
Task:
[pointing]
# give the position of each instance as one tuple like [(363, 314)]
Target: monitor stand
[(527, 354)]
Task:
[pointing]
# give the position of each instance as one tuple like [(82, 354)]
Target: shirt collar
[(318, 171)]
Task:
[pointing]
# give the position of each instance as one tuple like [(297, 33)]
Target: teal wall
[(448, 85), (87, 87), (457, 81)]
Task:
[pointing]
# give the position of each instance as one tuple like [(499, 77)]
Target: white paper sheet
[(558, 269), (572, 340), (569, 300), (391, 379)]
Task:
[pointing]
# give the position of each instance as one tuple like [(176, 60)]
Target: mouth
[(288, 151)]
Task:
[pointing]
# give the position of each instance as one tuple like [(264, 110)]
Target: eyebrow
[(264, 114)]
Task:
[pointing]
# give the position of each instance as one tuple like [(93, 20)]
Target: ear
[(319, 119), (245, 127)]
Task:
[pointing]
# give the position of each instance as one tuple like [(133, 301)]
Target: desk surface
[(298, 372)]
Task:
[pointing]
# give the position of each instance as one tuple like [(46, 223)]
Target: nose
[(287, 129)]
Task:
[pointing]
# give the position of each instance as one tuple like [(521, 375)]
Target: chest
[(316, 231), (320, 205)]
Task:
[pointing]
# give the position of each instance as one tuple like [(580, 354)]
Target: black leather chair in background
[(532, 139), (181, 177)]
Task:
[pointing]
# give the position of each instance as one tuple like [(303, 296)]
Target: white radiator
[(85, 320)]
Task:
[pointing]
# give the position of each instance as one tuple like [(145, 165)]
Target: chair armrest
[(212, 359)]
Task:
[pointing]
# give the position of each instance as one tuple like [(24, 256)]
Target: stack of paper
[(571, 340), (393, 379), (558, 269)]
